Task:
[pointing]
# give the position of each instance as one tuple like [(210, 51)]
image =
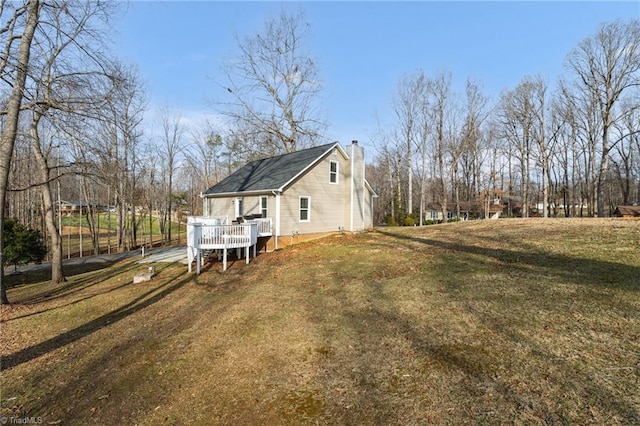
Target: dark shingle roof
[(269, 174)]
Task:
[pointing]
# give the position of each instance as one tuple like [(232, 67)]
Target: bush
[(409, 221), (22, 245), (390, 220)]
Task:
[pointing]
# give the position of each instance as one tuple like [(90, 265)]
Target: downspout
[(277, 224), (364, 195), (352, 188)]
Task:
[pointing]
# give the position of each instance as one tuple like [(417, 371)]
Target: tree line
[(572, 145), (72, 117)]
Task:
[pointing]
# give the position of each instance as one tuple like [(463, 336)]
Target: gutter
[(277, 194), (241, 193)]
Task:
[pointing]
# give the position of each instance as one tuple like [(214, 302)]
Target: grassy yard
[(510, 321)]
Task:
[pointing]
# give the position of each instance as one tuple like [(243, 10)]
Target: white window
[(263, 206), (333, 172), (305, 209)]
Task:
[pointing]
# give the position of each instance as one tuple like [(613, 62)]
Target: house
[(76, 207), (627, 211), (468, 210), (304, 194)]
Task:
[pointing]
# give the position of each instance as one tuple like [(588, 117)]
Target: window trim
[(336, 173), (239, 207), (307, 209), (264, 208)]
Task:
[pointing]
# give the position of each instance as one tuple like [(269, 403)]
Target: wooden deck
[(214, 234)]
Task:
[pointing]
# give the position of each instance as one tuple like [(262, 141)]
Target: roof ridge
[(291, 153)]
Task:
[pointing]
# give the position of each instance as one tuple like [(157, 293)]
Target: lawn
[(511, 321)]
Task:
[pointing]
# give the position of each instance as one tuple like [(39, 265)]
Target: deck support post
[(224, 259)]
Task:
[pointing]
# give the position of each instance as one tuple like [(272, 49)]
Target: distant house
[(627, 211), (468, 210), (71, 208), (76, 207), (305, 194)]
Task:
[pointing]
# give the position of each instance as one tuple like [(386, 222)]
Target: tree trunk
[(602, 171), (57, 271), (11, 122)]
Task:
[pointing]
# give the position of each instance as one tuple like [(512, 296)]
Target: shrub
[(22, 245), (409, 221)]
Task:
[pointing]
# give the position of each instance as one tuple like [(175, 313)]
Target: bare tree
[(520, 116), (626, 151), (172, 133), (117, 144), (17, 35), (204, 153), (64, 86), (408, 106), (448, 141), (204, 156), (274, 86), (471, 159), (607, 67), (424, 146), (582, 127), (544, 132)]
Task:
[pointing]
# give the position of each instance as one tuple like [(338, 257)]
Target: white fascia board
[(313, 163), (241, 194), (370, 188)]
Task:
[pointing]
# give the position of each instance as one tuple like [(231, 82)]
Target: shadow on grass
[(137, 369), (377, 317), (48, 291), (570, 269), (137, 304), (43, 272), (82, 299), (479, 363)]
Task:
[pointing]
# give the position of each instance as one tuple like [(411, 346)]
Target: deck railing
[(203, 236), (264, 226)]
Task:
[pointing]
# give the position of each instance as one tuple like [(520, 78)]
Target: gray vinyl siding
[(221, 207), (327, 200), (368, 218)]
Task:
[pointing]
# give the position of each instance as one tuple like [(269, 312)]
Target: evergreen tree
[(22, 245)]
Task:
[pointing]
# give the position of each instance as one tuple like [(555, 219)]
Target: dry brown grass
[(513, 321)]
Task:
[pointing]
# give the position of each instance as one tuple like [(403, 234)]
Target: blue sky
[(363, 48)]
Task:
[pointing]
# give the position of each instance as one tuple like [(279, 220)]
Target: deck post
[(224, 259)]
